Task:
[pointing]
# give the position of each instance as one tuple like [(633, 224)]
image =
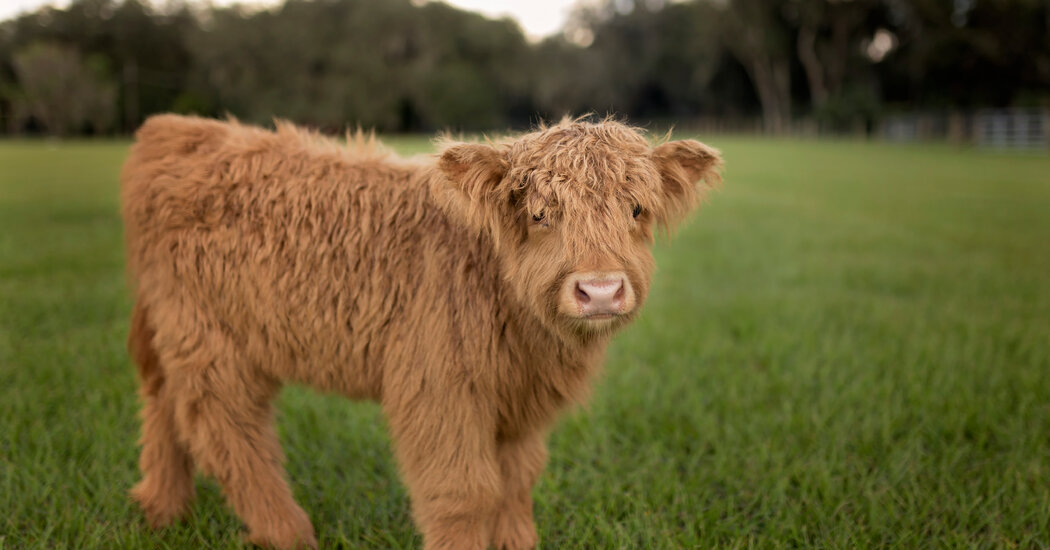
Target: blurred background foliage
[(102, 66)]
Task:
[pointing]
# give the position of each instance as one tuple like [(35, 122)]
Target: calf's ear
[(688, 169), (469, 190)]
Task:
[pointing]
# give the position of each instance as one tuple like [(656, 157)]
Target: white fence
[(1012, 128), (1027, 129)]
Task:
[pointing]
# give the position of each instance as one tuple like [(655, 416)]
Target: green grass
[(849, 347)]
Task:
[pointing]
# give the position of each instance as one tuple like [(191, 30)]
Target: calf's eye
[(539, 216), (637, 210)]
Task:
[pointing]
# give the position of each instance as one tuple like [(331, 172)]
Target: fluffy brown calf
[(473, 297)]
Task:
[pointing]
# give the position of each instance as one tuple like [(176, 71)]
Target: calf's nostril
[(581, 296), (620, 292)]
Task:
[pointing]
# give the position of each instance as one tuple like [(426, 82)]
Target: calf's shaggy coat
[(473, 295)]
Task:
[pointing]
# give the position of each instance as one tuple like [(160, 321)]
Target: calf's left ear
[(470, 190), (688, 169)]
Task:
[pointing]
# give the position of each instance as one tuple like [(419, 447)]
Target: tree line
[(102, 66)]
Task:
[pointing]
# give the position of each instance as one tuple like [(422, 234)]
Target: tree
[(407, 65), (646, 59), (58, 89), (757, 35), (387, 64), (829, 38)]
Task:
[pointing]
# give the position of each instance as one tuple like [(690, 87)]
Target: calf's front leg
[(521, 461), (445, 442)]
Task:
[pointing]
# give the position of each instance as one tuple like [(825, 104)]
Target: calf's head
[(572, 209)]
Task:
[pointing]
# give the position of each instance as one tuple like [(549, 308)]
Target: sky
[(538, 18)]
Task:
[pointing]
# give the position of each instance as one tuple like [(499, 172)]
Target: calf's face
[(572, 209)]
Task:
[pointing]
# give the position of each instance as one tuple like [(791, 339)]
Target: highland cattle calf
[(473, 295)]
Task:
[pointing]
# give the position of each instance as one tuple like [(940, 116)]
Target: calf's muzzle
[(597, 295)]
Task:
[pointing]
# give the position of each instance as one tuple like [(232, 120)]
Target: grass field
[(849, 347)]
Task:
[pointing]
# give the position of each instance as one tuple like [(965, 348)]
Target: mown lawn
[(849, 347)]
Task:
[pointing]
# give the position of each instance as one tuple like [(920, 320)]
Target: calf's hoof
[(161, 508), (512, 534), (292, 532)]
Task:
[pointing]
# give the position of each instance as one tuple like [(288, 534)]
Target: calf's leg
[(446, 448), (521, 461), (166, 489), (223, 411)]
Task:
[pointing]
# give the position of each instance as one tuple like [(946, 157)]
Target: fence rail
[(1017, 128), (1027, 129)]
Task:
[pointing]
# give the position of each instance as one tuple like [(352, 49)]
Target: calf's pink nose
[(600, 296)]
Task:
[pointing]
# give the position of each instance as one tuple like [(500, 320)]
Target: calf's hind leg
[(166, 489), (223, 410)]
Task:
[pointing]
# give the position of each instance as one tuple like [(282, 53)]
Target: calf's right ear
[(470, 190)]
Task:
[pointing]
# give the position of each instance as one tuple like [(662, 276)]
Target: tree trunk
[(842, 28), (131, 95), (770, 73), (807, 54), (773, 85)]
